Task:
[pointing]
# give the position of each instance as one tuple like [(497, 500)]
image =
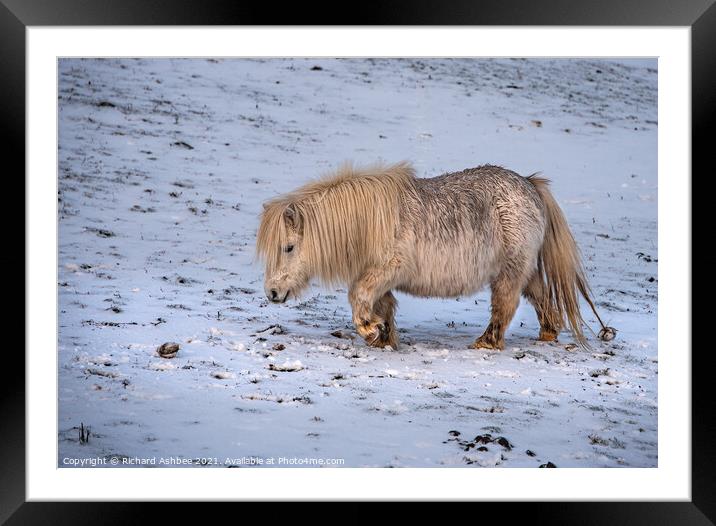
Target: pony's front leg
[(373, 307), (384, 308)]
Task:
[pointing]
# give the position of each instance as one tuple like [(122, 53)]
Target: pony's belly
[(446, 277), (440, 264), (438, 289)]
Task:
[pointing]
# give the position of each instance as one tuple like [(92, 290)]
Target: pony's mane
[(348, 220)]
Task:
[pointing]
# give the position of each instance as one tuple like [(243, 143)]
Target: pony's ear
[(292, 217)]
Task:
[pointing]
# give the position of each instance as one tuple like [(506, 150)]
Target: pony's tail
[(560, 267)]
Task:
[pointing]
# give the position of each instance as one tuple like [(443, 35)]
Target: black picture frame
[(700, 15)]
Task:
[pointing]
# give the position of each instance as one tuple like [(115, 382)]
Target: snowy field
[(163, 166)]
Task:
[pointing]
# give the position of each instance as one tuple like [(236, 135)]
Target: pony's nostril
[(274, 294)]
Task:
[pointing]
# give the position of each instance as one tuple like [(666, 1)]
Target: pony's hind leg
[(384, 308), (505, 299), (549, 319)]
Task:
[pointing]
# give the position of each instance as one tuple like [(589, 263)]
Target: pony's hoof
[(547, 336), (371, 331), (388, 334), (378, 343), (484, 343), (379, 334), (389, 337), (381, 344)]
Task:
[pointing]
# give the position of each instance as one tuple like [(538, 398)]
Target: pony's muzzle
[(274, 296)]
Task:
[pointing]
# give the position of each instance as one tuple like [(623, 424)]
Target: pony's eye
[(289, 248)]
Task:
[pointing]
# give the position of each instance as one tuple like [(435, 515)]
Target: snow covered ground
[(163, 166)]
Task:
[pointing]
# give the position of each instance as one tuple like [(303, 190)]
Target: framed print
[(436, 241)]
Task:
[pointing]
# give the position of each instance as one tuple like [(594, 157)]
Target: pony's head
[(332, 228), (279, 243)]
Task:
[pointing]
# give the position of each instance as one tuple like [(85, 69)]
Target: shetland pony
[(380, 229)]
